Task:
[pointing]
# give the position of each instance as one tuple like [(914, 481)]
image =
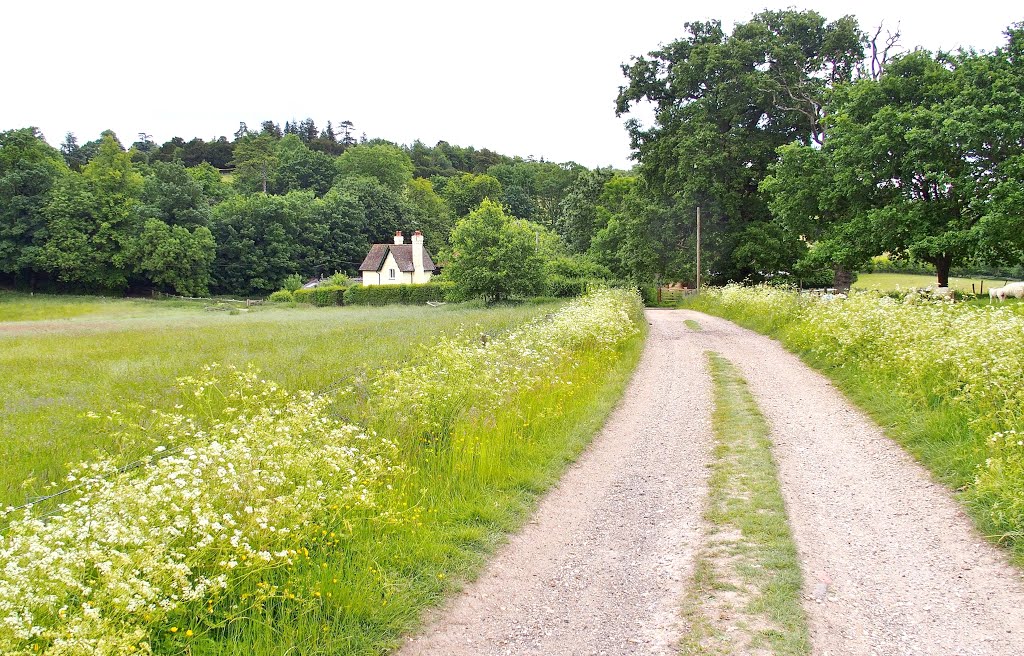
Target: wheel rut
[(891, 564)]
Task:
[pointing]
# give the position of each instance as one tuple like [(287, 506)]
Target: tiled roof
[(403, 256)]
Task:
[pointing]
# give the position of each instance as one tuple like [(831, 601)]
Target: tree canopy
[(723, 104)]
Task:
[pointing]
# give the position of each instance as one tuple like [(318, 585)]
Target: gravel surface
[(891, 564), (602, 567)]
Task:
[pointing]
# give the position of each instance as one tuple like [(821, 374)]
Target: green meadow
[(64, 357), (887, 282), (313, 524)]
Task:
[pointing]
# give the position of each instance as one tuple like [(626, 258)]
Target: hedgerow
[(394, 294)]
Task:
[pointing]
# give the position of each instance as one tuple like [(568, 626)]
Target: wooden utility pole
[(698, 249)]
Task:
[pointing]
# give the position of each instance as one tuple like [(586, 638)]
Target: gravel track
[(891, 564), (602, 566)]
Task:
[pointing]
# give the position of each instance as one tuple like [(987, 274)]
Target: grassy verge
[(462, 500), (123, 356), (942, 379), (745, 595)]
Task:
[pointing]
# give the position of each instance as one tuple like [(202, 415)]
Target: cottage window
[(391, 273)]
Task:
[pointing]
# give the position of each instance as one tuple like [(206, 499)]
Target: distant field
[(893, 281), (61, 357), (45, 307)]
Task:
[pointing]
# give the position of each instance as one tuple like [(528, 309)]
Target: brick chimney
[(417, 252), (399, 239)]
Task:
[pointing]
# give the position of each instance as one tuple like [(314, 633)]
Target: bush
[(391, 294), (577, 266), (303, 295), (565, 287), (292, 282), (281, 296), (326, 295), (338, 280)]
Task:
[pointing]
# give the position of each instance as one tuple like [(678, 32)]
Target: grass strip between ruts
[(746, 589)]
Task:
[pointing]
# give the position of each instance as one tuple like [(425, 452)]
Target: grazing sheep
[(1014, 288), (996, 292)]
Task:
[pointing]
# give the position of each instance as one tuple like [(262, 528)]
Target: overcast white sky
[(522, 77)]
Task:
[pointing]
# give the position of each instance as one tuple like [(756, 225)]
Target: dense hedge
[(408, 294), (303, 295), (565, 287), (328, 295), (321, 296), (281, 296)]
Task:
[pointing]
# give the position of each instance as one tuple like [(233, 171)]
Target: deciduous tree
[(494, 256), (387, 164)]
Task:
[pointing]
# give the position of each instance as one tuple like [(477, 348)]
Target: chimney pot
[(399, 239)]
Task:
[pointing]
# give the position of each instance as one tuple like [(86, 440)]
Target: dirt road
[(891, 564)]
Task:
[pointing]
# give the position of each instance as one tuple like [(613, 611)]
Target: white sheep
[(1016, 289)]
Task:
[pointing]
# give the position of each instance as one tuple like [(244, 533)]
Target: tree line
[(813, 145), (810, 145), (238, 217)]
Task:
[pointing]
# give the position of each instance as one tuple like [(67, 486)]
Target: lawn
[(892, 281), (62, 357)]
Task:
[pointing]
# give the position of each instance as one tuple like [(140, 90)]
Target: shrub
[(326, 295), (565, 287), (281, 296), (292, 282), (338, 280), (392, 294), (577, 266), (303, 295)]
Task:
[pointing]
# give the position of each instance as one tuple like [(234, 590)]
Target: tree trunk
[(942, 264), (842, 279)]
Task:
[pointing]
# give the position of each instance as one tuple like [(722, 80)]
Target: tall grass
[(943, 378), (126, 355), (265, 524)]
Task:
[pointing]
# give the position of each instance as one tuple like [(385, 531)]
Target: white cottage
[(398, 263)]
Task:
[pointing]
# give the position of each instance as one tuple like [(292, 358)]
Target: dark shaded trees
[(174, 196), (298, 167)]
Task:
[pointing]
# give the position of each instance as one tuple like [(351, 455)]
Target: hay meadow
[(217, 508)]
